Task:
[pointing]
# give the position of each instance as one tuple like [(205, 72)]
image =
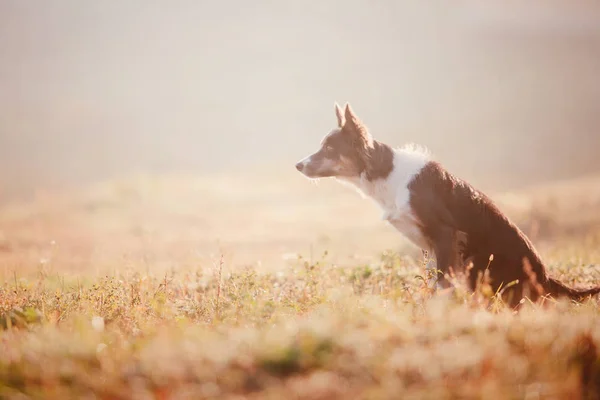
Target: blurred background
[(504, 93), (140, 133)]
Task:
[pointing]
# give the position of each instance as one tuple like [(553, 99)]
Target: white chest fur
[(393, 196), (407, 224)]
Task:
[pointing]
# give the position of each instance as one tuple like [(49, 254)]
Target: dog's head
[(345, 152)]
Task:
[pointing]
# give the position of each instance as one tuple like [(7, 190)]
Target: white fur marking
[(392, 193), (306, 161), (325, 165), (328, 164)]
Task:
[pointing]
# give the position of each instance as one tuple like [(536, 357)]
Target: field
[(225, 286)]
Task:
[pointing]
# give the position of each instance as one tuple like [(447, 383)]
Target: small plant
[(20, 318)]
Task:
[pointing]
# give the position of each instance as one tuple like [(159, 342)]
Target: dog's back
[(489, 240)]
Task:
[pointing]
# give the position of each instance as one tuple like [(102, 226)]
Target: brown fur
[(448, 207)]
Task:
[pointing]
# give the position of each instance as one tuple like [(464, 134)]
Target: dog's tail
[(556, 289), (552, 286)]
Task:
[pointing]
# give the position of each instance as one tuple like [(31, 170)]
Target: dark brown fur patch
[(447, 206), (354, 142), (380, 161)]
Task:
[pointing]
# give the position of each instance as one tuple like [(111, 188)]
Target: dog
[(436, 211)]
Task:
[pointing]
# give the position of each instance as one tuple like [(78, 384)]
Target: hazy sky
[(92, 89)]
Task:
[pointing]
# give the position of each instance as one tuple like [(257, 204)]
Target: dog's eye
[(328, 148)]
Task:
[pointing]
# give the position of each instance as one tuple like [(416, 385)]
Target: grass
[(321, 326)]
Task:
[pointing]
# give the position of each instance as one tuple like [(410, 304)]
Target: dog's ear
[(349, 114), (356, 126), (339, 114)]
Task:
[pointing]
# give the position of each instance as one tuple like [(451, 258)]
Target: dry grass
[(112, 293)]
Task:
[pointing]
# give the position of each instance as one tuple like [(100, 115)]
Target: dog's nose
[(300, 166)]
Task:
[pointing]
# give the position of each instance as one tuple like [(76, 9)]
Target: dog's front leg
[(447, 254), (437, 281), (433, 274)]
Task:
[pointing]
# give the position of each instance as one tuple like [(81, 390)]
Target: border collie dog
[(435, 210)]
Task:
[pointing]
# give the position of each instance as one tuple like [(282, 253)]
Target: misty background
[(503, 93)]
